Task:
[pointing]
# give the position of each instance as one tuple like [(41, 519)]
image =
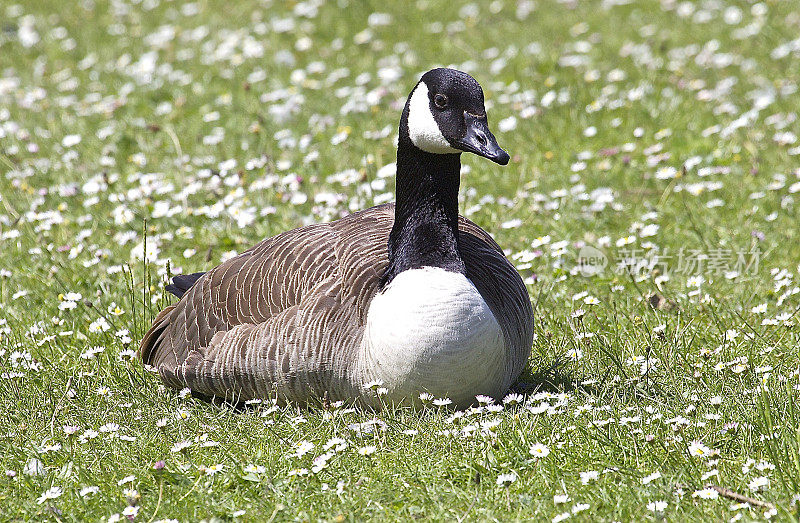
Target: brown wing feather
[(287, 316)]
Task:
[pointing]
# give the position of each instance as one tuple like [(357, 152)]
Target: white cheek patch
[(422, 128)]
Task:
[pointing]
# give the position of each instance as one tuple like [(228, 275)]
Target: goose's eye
[(440, 101)]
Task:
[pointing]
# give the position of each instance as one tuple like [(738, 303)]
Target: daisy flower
[(51, 493), (538, 450), (506, 479)]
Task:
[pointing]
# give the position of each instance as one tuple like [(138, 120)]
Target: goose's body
[(411, 296)]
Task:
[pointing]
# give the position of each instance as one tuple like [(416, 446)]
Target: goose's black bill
[(480, 140)]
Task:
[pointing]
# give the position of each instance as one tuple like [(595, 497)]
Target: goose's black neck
[(425, 231)]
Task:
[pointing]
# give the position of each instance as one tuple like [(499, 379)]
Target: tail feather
[(182, 283), (149, 345)]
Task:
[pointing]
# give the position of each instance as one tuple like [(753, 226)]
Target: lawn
[(651, 205)]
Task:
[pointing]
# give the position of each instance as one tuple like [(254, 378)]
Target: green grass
[(610, 103)]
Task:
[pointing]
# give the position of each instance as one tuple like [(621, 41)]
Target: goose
[(388, 304)]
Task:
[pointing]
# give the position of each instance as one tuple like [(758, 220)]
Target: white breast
[(431, 331)]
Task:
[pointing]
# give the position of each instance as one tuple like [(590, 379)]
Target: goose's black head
[(445, 115)]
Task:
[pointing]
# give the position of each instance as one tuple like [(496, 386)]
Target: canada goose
[(410, 295)]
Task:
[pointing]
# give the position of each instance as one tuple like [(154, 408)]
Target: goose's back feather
[(287, 316)]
